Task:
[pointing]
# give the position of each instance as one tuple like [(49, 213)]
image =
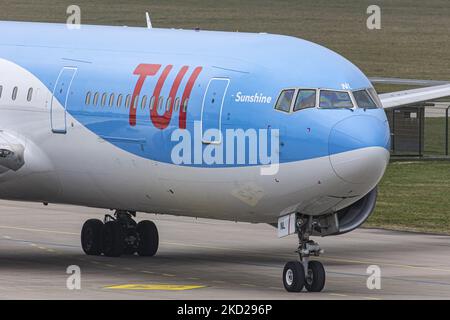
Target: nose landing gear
[(305, 273), (119, 234)]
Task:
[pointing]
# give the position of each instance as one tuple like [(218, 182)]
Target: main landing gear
[(305, 273), (119, 234)]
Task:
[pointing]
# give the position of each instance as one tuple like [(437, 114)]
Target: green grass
[(414, 197), (434, 136), (413, 41)]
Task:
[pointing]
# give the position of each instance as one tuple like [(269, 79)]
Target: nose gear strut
[(305, 273)]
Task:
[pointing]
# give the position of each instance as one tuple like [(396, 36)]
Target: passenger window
[(185, 105), (285, 100), (168, 103), (127, 101), (335, 99), (144, 102), (1, 90), (111, 100), (14, 93), (95, 99), (152, 102), (160, 103), (88, 98), (119, 101), (104, 96), (363, 100), (177, 104), (135, 102), (30, 94), (306, 98)]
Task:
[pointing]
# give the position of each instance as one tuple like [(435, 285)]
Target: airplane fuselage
[(108, 106)]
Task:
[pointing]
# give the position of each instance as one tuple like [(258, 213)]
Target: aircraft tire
[(148, 238), (293, 276), (315, 281), (113, 242), (129, 250), (91, 237)]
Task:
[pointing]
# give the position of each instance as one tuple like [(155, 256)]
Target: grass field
[(414, 196), (434, 136), (414, 42)]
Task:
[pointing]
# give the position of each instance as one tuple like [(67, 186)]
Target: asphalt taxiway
[(208, 259)]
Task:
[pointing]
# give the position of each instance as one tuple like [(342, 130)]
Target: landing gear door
[(212, 109), (286, 225), (60, 98)]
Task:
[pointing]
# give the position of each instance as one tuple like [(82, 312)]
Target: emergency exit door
[(212, 108), (60, 99)]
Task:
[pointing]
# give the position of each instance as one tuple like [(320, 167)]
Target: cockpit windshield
[(285, 100), (374, 95), (306, 98), (335, 99), (297, 99), (364, 100)]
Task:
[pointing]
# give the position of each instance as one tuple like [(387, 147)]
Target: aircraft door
[(212, 107), (60, 98)]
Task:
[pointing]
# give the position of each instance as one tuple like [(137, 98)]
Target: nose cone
[(359, 149)]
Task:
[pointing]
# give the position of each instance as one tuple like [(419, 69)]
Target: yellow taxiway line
[(159, 287)]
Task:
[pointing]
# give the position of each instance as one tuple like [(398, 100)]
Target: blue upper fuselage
[(106, 59)]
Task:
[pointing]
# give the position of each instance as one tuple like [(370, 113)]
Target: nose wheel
[(305, 273), (118, 235), (315, 277), (294, 276)]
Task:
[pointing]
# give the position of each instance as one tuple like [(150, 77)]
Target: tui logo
[(162, 121)]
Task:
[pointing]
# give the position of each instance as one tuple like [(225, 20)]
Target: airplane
[(137, 120)]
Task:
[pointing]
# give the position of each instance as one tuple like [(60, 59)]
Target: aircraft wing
[(407, 82), (401, 98)]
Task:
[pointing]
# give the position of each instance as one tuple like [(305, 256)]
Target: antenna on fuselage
[(149, 22)]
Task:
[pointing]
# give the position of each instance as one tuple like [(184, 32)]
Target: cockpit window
[(363, 100), (335, 99), (306, 98), (373, 93), (285, 100)]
